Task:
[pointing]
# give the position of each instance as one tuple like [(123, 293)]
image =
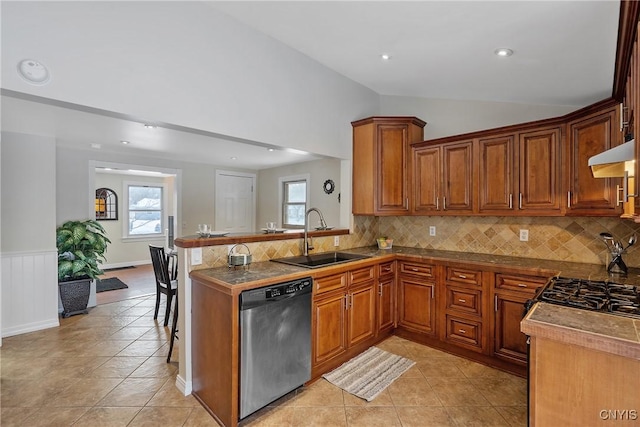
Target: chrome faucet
[(306, 243)]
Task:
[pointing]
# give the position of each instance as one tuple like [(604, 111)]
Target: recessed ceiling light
[(96, 146), (148, 126), (503, 51), (271, 149), (233, 158), (33, 72), (385, 56), (125, 142)]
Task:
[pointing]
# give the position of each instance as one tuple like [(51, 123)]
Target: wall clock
[(328, 186)]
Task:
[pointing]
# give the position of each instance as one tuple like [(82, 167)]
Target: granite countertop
[(267, 272), (613, 334)]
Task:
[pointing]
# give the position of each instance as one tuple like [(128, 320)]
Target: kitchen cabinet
[(380, 164), (386, 298), (442, 178), (417, 297), (344, 313), (510, 293), (590, 135), (464, 308), (519, 173)]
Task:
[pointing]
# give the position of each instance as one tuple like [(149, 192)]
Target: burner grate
[(614, 298)]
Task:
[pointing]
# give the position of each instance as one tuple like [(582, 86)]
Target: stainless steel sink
[(321, 259)]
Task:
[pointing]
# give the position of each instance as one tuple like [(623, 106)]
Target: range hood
[(613, 162)]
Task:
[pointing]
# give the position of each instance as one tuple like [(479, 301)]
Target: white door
[(235, 201)]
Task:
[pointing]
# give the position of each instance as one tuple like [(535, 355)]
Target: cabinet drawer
[(520, 283), (329, 283), (465, 300), (417, 269), (361, 275), (464, 331), (460, 275), (386, 268)]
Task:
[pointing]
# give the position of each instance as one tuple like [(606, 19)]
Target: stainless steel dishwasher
[(275, 340)]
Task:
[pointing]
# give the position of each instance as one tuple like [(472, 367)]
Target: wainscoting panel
[(29, 292)]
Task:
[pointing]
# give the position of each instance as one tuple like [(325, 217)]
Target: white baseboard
[(185, 387), (30, 327), (125, 264)]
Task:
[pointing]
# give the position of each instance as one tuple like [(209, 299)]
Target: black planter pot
[(75, 296)]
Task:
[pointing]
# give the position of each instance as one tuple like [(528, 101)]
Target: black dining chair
[(165, 284)]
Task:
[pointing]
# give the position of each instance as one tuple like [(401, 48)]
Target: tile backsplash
[(575, 239)]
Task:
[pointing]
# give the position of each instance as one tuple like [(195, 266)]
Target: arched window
[(106, 204)]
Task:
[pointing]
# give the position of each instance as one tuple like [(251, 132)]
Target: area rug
[(368, 374), (109, 284)]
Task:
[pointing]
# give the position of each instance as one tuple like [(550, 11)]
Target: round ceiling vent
[(33, 72)]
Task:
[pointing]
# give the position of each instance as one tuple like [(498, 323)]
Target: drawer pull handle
[(462, 276), (462, 300), (414, 269), (522, 285), (462, 331)]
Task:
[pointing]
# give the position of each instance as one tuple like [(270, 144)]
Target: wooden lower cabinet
[(508, 342), (344, 318), (511, 292), (385, 302), (329, 327), (416, 304), (362, 313)]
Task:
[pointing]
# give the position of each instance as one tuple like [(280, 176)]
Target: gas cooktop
[(601, 296)]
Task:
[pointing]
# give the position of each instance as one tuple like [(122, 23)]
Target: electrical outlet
[(196, 256), (524, 235), (432, 230), (336, 240)]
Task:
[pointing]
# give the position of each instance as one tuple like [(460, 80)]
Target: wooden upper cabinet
[(380, 164), (496, 174), (442, 178), (540, 161), (589, 136)]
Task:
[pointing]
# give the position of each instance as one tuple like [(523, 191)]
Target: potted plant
[(81, 247)]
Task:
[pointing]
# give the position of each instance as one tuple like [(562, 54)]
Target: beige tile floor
[(439, 390), (108, 368)]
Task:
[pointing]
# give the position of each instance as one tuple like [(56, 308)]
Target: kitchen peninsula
[(418, 290)]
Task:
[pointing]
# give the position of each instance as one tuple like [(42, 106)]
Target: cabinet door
[(393, 194), (329, 322), (496, 186), (362, 311), (386, 301), (588, 195), (427, 177), (416, 305), (539, 154), (509, 343), (457, 169)]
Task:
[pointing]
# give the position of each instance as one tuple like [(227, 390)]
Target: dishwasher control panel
[(281, 290)]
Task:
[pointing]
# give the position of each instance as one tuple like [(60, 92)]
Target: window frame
[(282, 181), (126, 235)]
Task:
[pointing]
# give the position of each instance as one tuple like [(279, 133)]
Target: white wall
[(184, 63), (319, 170), (29, 277), (448, 117)]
